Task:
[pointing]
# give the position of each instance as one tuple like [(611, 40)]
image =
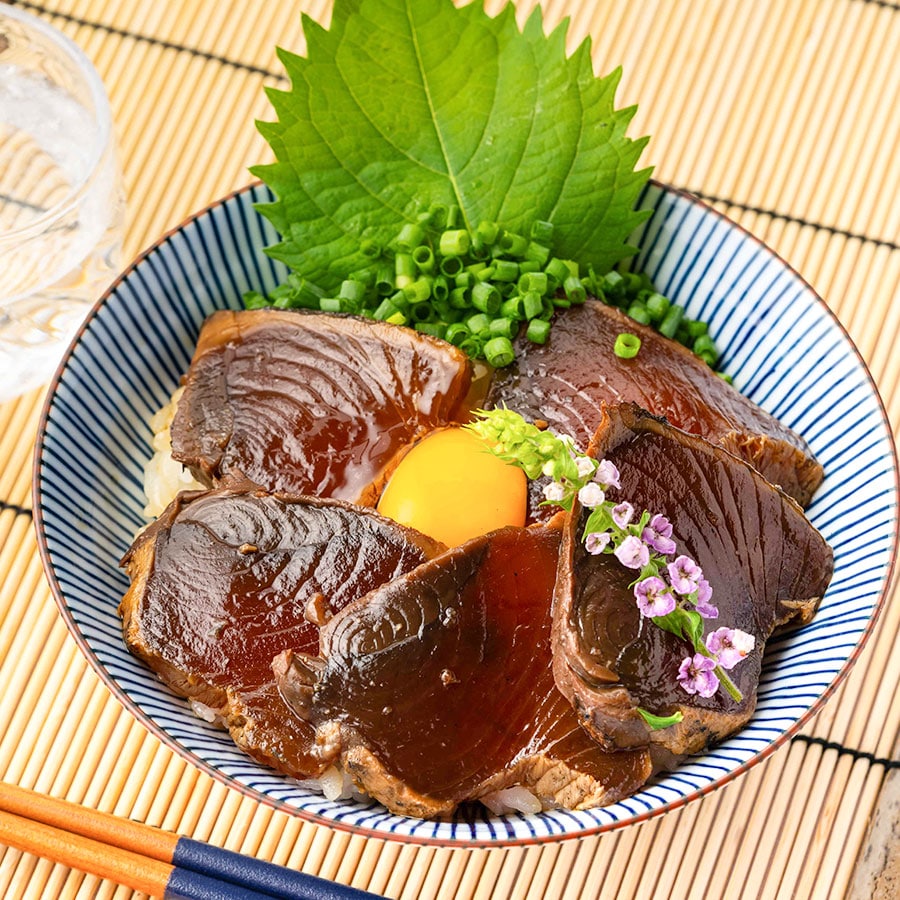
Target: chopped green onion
[(385, 310), (451, 266), (460, 298), (473, 345), (398, 298), (352, 290), (695, 328), (384, 281), (574, 289), (411, 235), (670, 323), (505, 270), (454, 243), (486, 298), (512, 308), (532, 304), (499, 352), (513, 244), (705, 348), (538, 331), (435, 329), (503, 327), (478, 323), (476, 287), (547, 308), (542, 231), (440, 290), (423, 257), (404, 270), (614, 285), (639, 313), (456, 333), (419, 291), (437, 216), (537, 253), (633, 282), (487, 232), (370, 248), (627, 345), (422, 312), (464, 279), (559, 269), (533, 281), (657, 305)]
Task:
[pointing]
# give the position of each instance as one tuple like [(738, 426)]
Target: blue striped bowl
[(780, 343)]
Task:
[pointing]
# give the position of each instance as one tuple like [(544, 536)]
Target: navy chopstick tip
[(263, 878), (184, 884)]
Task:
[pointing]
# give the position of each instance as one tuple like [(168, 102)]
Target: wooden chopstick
[(148, 859)]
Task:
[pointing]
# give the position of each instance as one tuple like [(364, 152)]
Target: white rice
[(335, 784), (512, 799), (163, 476)]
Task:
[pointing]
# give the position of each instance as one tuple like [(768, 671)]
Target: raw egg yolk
[(452, 488)]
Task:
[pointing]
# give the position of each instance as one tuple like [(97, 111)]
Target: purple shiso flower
[(597, 541), (633, 553), (554, 492), (729, 645), (607, 474), (654, 597), (591, 495), (584, 465), (702, 604), (684, 574), (658, 534), (622, 514), (696, 675)]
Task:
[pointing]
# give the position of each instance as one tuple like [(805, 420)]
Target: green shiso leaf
[(401, 105)]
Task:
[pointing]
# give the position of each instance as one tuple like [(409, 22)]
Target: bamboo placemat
[(785, 114)]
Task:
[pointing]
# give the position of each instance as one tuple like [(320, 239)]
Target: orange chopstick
[(138, 872), (149, 859)]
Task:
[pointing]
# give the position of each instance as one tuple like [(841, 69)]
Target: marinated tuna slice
[(225, 580), (438, 687), (312, 403), (766, 564), (565, 381)]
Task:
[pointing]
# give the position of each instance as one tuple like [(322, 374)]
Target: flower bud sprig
[(670, 589), (537, 452)]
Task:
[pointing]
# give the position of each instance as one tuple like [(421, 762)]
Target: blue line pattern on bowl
[(780, 343)]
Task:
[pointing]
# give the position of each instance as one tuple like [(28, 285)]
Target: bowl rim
[(338, 824)]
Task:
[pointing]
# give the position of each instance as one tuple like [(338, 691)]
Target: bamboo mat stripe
[(796, 220), (279, 76), (841, 749), (166, 45), (783, 114), (18, 510)]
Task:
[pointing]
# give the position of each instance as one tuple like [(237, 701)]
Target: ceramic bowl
[(779, 342)]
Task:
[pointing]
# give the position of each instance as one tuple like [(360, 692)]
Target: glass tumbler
[(61, 200)]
